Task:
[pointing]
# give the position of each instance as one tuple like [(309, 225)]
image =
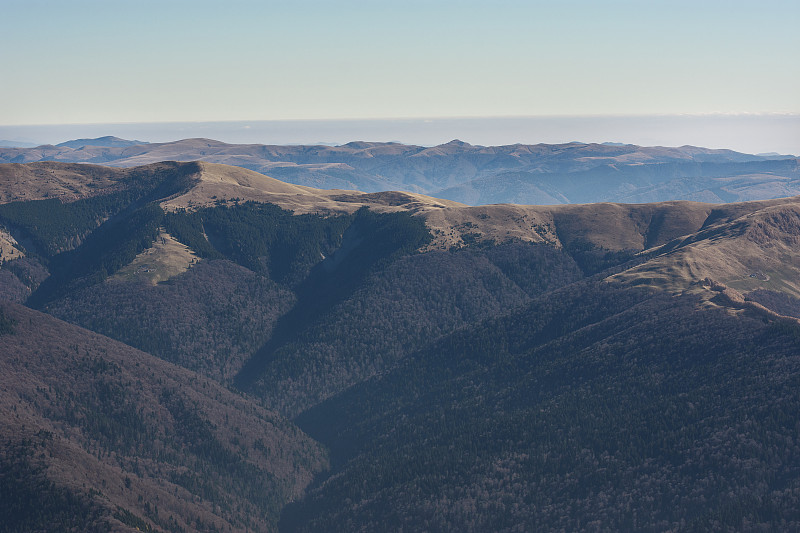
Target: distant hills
[(474, 175), (197, 346), (107, 141), (16, 144)]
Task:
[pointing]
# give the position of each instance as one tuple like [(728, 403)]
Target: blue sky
[(118, 61), (89, 62)]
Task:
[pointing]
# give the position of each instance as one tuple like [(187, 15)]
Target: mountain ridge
[(528, 174), (108, 141), (611, 226)]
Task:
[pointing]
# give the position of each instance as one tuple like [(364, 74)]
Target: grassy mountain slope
[(759, 249), (69, 182), (208, 185)]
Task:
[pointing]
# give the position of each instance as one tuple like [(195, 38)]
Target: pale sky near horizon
[(147, 61)]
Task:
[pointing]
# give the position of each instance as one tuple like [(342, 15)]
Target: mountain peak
[(109, 141), (457, 142)]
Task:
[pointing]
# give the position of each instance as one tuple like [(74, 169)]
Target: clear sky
[(146, 61)]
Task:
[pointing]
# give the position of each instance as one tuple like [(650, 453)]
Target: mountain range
[(198, 346), (474, 175)]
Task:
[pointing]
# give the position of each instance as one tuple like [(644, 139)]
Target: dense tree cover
[(19, 277), (6, 323), (227, 311), (190, 449), (592, 408), (370, 243), (209, 319), (262, 237), (51, 227), (356, 313), (401, 307), (162, 444), (592, 259), (11, 287), (104, 251), (29, 501), (133, 520)]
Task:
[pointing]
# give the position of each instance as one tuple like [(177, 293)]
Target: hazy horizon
[(713, 74), (744, 133), (87, 61)]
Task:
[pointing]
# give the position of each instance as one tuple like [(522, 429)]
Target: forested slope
[(409, 303), (595, 407), (96, 433)]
